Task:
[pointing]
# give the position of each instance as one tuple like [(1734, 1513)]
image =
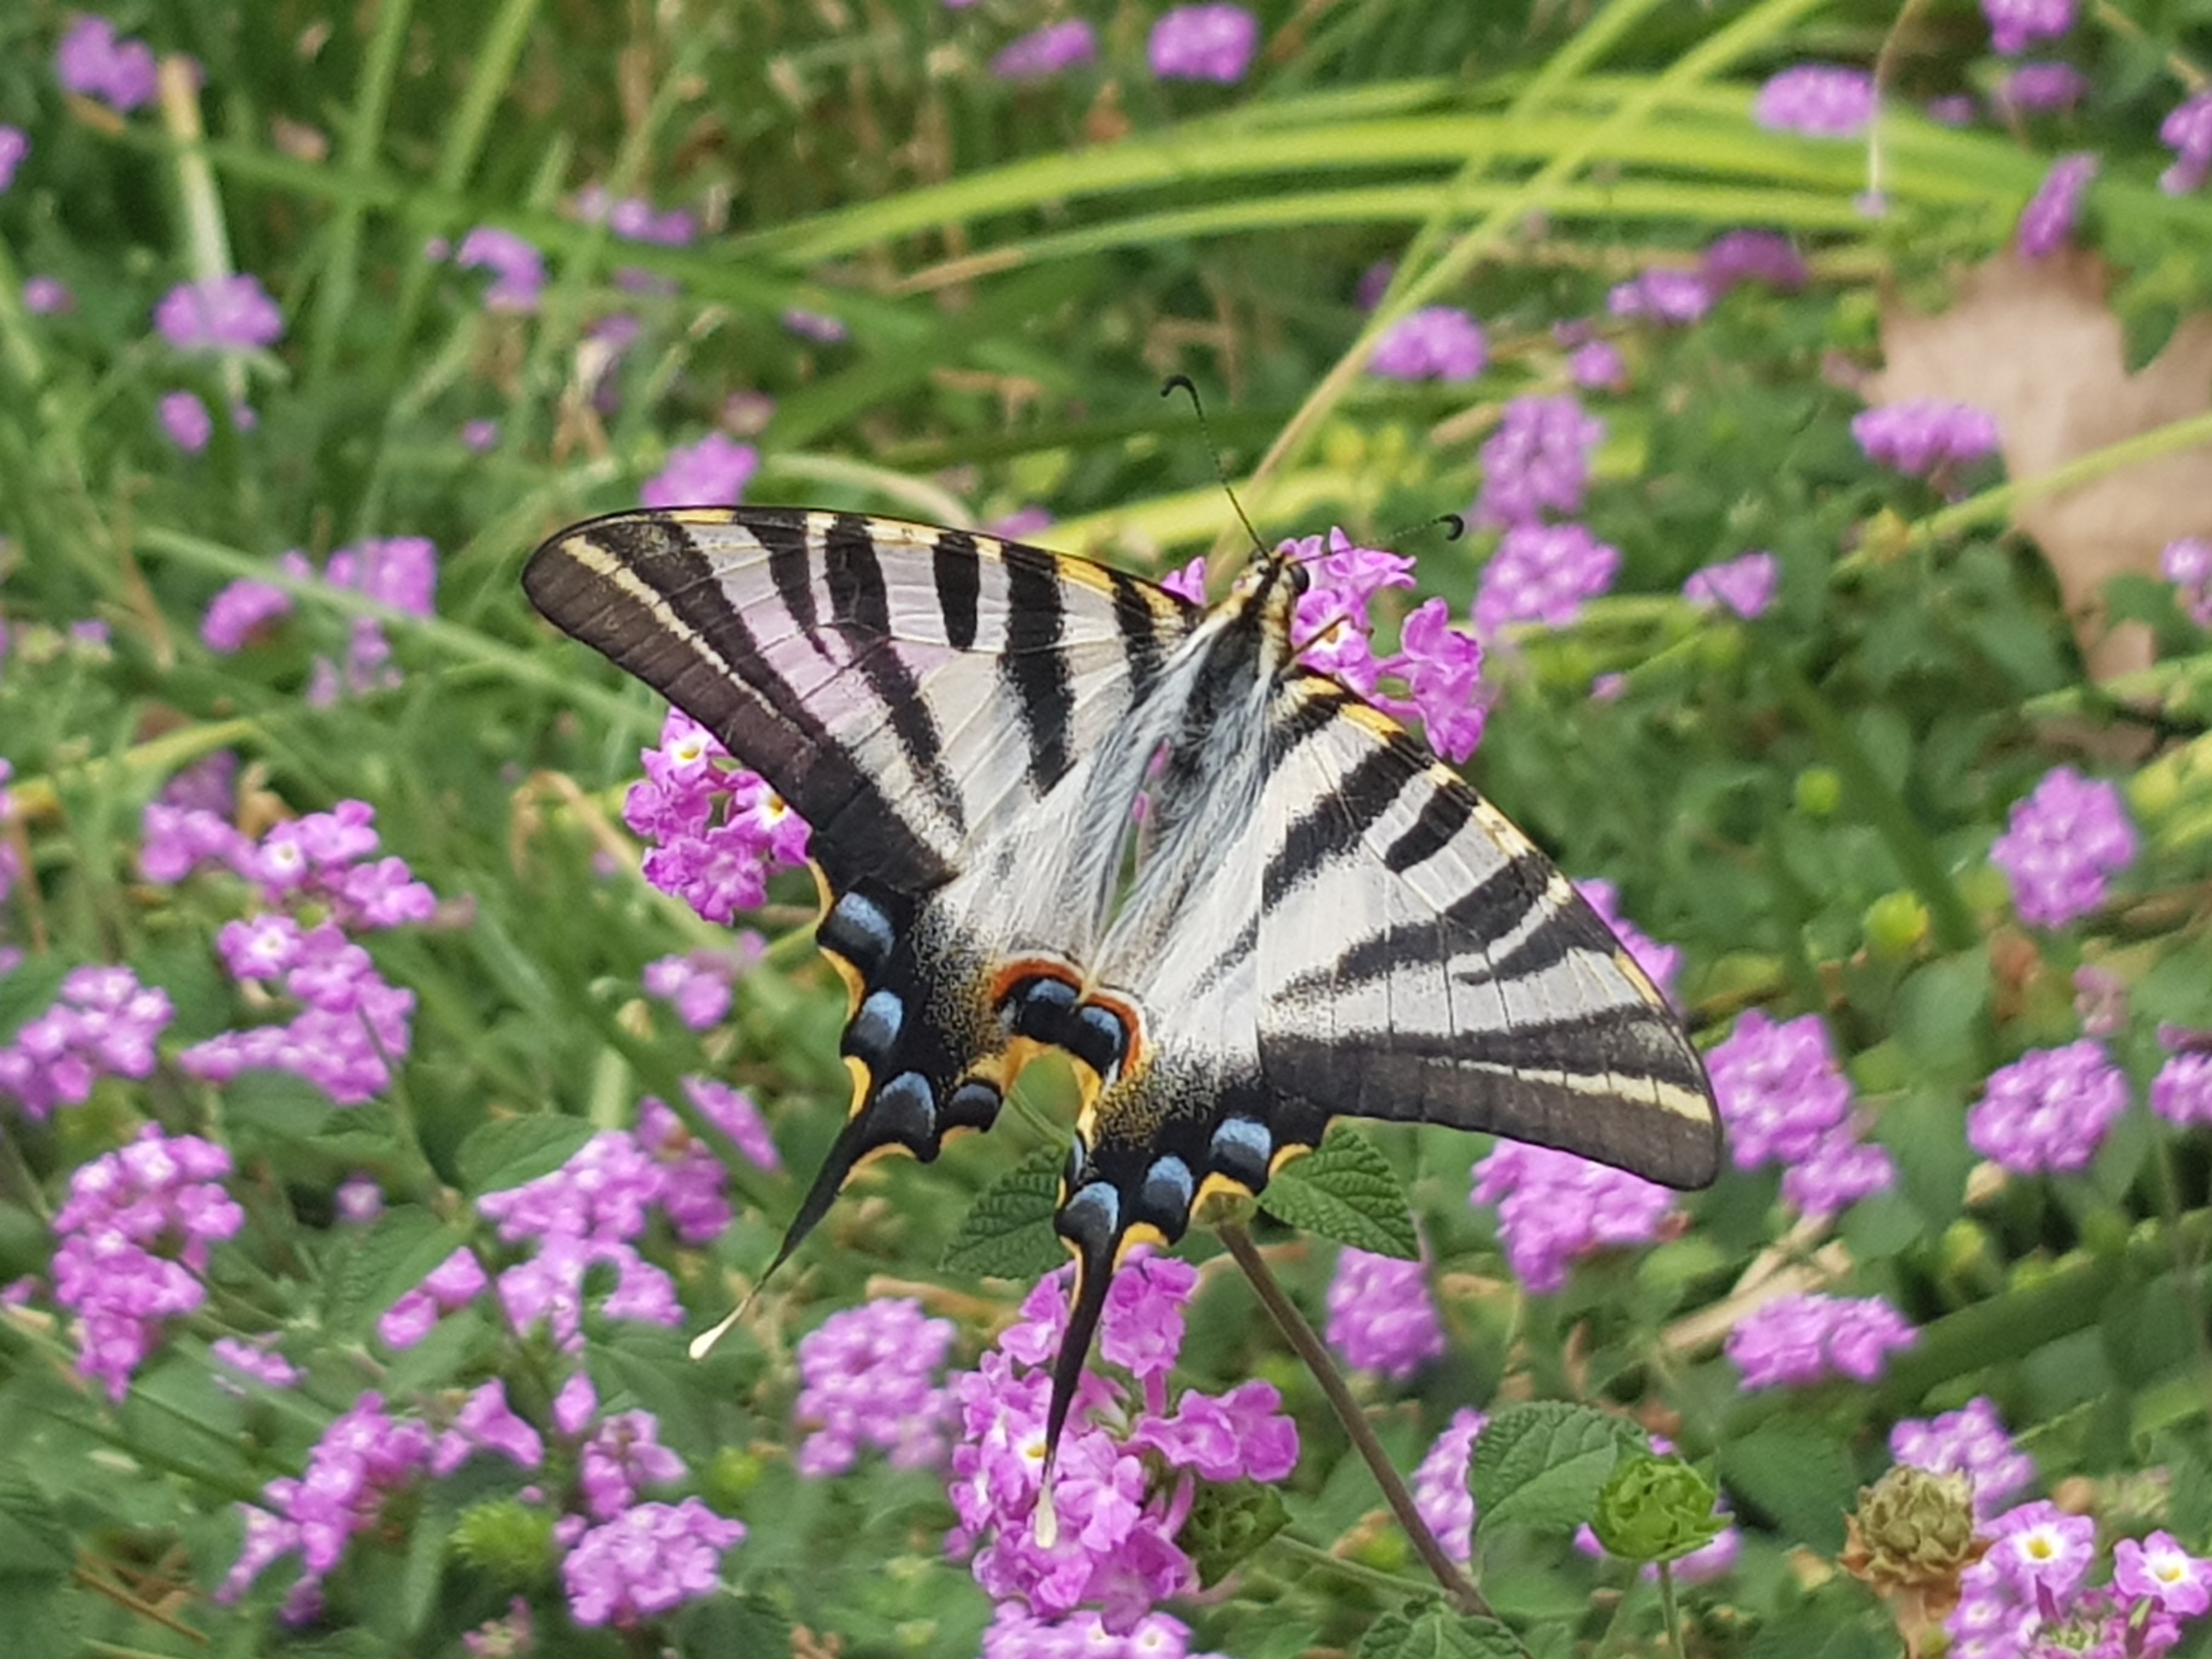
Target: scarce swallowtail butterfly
[(1312, 917)]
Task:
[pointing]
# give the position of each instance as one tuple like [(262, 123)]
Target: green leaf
[(366, 1276), (734, 1624), (511, 1151), (1346, 1189), (1541, 1465), (32, 1543), (1227, 1525), (1801, 1477), (1434, 1631), (277, 1104), (1008, 1232)]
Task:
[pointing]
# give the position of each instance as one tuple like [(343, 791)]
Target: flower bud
[(508, 1542), (1654, 1508), (1913, 1531)]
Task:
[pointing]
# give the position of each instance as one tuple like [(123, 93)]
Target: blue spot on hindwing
[(1165, 1198), (1240, 1150), (859, 930), (874, 1028), (905, 1110)]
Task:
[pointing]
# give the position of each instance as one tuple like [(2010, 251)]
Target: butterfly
[(1309, 916)]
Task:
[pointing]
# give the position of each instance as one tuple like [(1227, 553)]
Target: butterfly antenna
[(1182, 382)]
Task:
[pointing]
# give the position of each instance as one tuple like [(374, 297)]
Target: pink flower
[(219, 313), (712, 472), (518, 271), (2160, 1569), (1744, 585), (1206, 42), (186, 419), (92, 59)]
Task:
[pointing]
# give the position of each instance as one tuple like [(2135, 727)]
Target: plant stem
[(1317, 1556), (1457, 1586), (1669, 1610)]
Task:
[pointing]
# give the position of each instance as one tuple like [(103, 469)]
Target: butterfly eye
[(1301, 578)]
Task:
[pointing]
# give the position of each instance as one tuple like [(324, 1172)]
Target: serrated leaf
[(734, 1624), (511, 1151), (1540, 1465), (1434, 1632), (1008, 1232), (1227, 1525), (277, 1104), (365, 1276), (27, 990), (1346, 1189), (1802, 1479)]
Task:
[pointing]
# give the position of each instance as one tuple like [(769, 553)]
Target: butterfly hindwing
[(1420, 959)]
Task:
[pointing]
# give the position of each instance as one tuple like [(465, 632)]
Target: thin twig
[(1457, 1586)]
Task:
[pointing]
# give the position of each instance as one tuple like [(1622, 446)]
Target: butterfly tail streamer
[(1094, 1277)]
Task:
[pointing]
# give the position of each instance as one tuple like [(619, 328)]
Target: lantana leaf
[(511, 1151), (1434, 1631), (1542, 1464), (1008, 1232), (1346, 1189)]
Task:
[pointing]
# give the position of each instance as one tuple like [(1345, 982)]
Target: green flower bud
[(733, 1473), (1819, 792), (506, 1539), (1654, 1508), (1897, 924), (1913, 1530)]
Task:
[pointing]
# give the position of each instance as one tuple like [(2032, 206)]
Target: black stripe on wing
[(1035, 667)]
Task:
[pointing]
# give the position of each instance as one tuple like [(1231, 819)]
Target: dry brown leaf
[(2034, 342)]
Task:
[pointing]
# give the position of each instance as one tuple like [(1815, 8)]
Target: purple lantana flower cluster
[(2061, 845), (1213, 41), (2034, 87), (718, 831), (625, 1559), (1441, 1492), (14, 145), (2187, 131), (1381, 1316), (868, 1377), (2047, 221), (398, 571), (1804, 1337), (1744, 585), (1971, 1441), (1044, 52), (2187, 563), (1925, 436), (94, 62), (518, 269), (2017, 24), (1554, 1209), (633, 218), (1437, 343), (104, 1024), (135, 1236), (2050, 1110), (219, 313), (2181, 1093), (1537, 462), (1820, 100), (1543, 573), (319, 882), (1784, 1100), (1129, 1463), (712, 472), (2030, 1594)]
